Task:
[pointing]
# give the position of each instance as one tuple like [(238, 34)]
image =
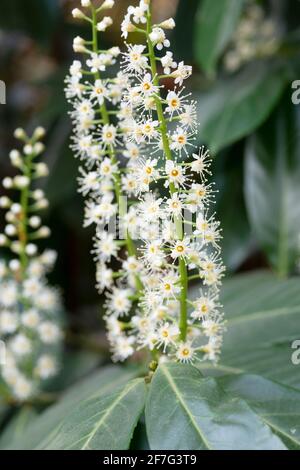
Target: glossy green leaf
[(102, 383), (236, 106), (272, 189), (263, 319), (216, 22), (186, 411), (106, 422), (276, 405), (17, 426)]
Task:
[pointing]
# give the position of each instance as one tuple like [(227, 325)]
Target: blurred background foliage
[(244, 65)]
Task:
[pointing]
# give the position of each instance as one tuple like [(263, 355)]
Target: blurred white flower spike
[(136, 140), (30, 310)]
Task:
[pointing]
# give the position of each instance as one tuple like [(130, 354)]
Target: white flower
[(22, 388), (166, 335), (46, 366), (174, 102), (201, 163), (105, 246), (174, 173), (147, 87), (134, 58), (104, 277), (169, 286), (99, 92), (20, 345), (168, 62), (182, 73), (174, 205), (179, 139), (97, 62), (108, 134), (8, 322), (49, 332), (185, 353), (104, 23), (8, 294), (180, 248), (123, 348), (205, 306), (118, 302), (127, 27), (158, 38), (30, 319), (89, 181)]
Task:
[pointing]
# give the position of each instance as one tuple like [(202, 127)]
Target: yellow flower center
[(181, 139), (175, 172)]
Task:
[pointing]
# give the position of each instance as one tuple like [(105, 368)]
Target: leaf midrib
[(126, 390), (184, 406)]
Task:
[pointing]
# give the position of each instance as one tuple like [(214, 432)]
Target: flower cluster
[(148, 155), (98, 141), (256, 36), (29, 308), (180, 238)]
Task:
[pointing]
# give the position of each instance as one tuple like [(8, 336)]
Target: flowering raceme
[(30, 323), (137, 141)]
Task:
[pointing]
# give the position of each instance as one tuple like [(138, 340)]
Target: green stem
[(24, 201), (168, 154)]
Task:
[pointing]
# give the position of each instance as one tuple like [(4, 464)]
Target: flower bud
[(105, 23), (5, 202), (7, 183), (76, 13), (38, 148), (31, 249), (35, 221), (21, 181), (28, 149), (14, 265), (10, 217), (85, 3), (16, 208), (15, 158), (38, 194), (16, 247), (3, 239), (43, 232), (79, 44), (42, 204), (20, 134), (108, 4), (10, 230), (39, 133), (168, 24), (41, 169)]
